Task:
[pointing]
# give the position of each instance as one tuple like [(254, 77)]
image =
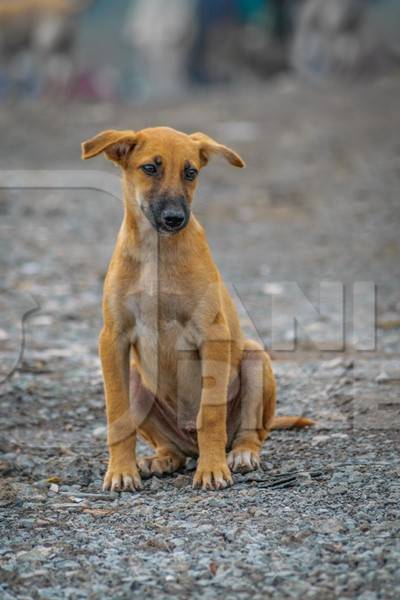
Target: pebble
[(332, 364), (337, 489), (100, 433), (180, 482), (382, 377), (320, 439)]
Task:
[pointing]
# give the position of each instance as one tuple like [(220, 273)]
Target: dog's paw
[(125, 479), (216, 477), (159, 465), (243, 460)]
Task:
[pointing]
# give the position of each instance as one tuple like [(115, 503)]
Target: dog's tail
[(291, 422)]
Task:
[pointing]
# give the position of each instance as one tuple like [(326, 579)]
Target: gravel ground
[(319, 201)]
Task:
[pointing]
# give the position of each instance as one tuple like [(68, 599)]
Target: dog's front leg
[(212, 470), (122, 472)]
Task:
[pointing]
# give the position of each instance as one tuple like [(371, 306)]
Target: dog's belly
[(169, 366), (162, 424)]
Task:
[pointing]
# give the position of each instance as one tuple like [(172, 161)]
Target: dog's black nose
[(173, 219)]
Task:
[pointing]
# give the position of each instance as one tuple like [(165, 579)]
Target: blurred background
[(132, 50)]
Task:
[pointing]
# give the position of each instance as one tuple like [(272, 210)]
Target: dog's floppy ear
[(208, 146), (116, 144)]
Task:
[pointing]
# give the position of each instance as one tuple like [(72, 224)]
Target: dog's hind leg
[(258, 399), (168, 457), (164, 462), (156, 425)]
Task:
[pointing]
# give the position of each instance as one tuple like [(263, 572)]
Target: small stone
[(337, 489), (331, 526), (27, 523), (181, 567), (258, 513), (41, 484), (268, 466), (252, 492), (382, 377), (180, 481), (36, 554), (156, 483), (304, 478), (319, 439), (100, 433), (332, 364)]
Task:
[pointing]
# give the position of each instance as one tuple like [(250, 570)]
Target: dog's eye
[(149, 169), (191, 173)]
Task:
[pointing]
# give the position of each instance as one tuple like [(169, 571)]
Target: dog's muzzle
[(172, 219), (168, 215)]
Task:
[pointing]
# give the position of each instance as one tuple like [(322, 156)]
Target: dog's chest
[(160, 336), (160, 311)]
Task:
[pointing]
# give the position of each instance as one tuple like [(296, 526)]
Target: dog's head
[(160, 166)]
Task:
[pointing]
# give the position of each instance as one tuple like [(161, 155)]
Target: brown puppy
[(197, 387)]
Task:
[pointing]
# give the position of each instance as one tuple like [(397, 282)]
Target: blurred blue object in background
[(252, 10)]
